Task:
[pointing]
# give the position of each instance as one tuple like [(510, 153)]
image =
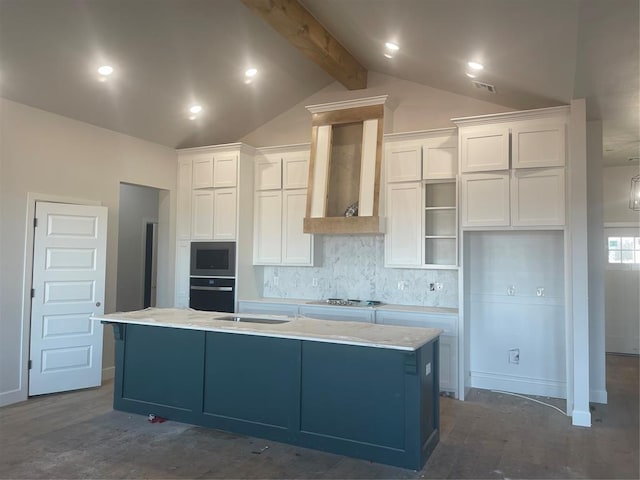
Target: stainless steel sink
[(240, 318)]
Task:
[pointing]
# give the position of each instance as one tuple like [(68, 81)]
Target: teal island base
[(378, 404)]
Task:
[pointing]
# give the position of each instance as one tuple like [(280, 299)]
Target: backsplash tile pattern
[(352, 266)]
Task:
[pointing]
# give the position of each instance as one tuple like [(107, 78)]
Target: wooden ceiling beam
[(296, 24)]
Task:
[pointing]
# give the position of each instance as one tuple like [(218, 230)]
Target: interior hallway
[(78, 435)]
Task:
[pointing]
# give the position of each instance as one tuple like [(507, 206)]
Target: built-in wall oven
[(212, 283)]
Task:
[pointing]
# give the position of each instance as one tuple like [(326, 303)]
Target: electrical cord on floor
[(532, 399)]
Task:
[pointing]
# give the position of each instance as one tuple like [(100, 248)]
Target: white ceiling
[(169, 54)]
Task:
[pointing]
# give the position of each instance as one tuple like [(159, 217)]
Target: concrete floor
[(491, 435)]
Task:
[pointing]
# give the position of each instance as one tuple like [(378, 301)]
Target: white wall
[(138, 206), (50, 155), (414, 106)]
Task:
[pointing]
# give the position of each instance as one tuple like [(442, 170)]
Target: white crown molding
[(561, 112), (421, 134), (343, 105)]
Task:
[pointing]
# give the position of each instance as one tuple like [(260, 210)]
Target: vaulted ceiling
[(170, 54)]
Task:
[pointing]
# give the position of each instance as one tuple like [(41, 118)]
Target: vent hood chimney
[(343, 195)]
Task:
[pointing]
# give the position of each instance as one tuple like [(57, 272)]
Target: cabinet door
[(268, 173), (183, 200), (224, 214), (403, 161), (296, 245), (403, 240), (485, 199), (183, 255), (295, 170), (440, 159), (538, 144), (202, 172), (225, 168), (448, 364), (484, 148), (537, 197), (267, 228), (202, 214)]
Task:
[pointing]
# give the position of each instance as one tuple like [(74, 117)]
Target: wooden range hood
[(345, 166)]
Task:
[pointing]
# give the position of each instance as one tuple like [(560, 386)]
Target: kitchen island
[(357, 389)]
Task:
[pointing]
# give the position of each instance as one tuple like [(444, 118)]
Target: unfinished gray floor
[(78, 435)]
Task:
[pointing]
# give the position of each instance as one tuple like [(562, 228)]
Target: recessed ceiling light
[(470, 75), (252, 72), (193, 117), (195, 109), (475, 65), (392, 46), (105, 70)]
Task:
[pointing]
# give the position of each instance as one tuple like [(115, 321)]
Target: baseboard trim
[(11, 397), (580, 418), (526, 386), (598, 396), (108, 373)]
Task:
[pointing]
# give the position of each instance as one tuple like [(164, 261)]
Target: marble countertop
[(300, 328), (384, 306)]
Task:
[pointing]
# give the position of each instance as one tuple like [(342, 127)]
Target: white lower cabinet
[(353, 314), (289, 309), (448, 340)]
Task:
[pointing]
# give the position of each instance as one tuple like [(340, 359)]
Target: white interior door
[(69, 255)]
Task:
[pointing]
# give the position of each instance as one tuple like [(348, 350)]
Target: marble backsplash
[(352, 266)]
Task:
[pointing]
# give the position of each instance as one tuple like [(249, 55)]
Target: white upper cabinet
[(538, 144), (268, 172), (537, 197), (225, 169), (403, 239), (484, 148), (403, 161), (440, 157), (280, 205), (202, 171), (485, 199), (202, 215), (526, 187), (224, 213), (295, 170)]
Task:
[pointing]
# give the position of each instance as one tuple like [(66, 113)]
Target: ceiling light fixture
[(105, 70), (195, 109), (475, 65), (252, 72), (470, 75), (392, 46), (388, 55)]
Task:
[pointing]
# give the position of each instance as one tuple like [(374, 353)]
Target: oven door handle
[(213, 289)]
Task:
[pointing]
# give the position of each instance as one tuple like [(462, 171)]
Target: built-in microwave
[(213, 259)]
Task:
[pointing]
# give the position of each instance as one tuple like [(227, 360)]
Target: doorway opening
[(137, 247)]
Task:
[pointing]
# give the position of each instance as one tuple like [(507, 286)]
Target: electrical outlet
[(401, 284), (314, 282), (511, 290), (432, 287), (438, 286), (514, 355), (540, 291)]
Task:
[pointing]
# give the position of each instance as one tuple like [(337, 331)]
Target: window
[(623, 249)]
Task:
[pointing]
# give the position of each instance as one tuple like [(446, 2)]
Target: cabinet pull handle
[(213, 289)]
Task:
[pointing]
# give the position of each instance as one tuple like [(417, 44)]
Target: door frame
[(32, 198)]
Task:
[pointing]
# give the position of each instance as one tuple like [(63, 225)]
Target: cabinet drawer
[(337, 313), (445, 321)]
